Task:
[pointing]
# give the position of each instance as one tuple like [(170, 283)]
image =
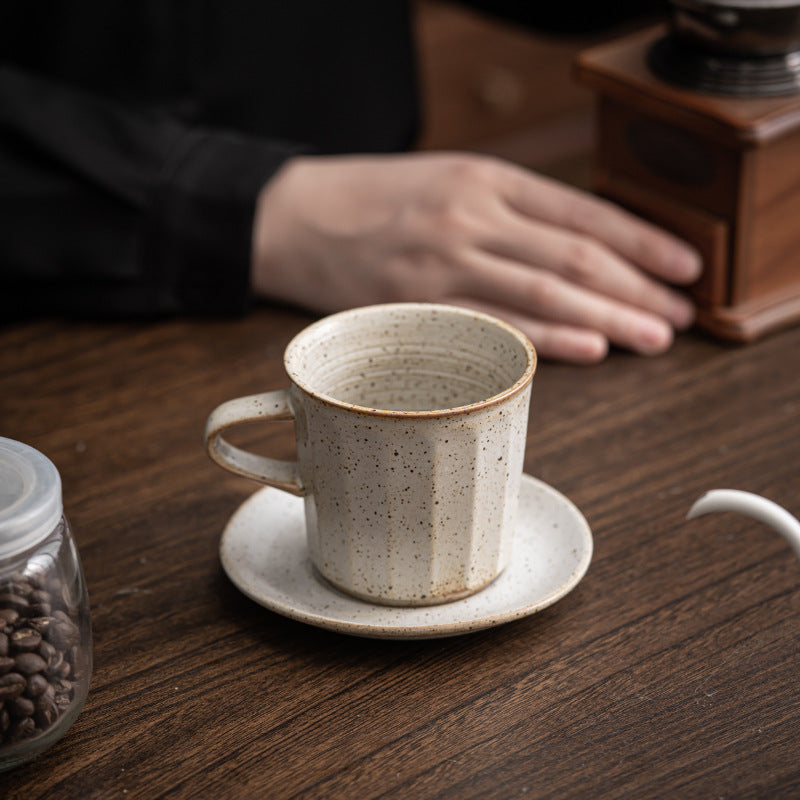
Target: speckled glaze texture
[(412, 510), (270, 564), (411, 423)]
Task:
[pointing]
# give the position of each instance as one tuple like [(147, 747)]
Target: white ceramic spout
[(752, 505)]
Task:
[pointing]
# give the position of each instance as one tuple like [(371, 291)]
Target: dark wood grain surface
[(670, 671)]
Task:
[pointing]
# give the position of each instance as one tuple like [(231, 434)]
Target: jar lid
[(30, 497)]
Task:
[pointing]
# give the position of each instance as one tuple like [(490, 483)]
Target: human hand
[(572, 271)]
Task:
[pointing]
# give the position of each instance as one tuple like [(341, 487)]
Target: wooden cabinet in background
[(496, 88)]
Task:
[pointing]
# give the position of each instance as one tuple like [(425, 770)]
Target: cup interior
[(411, 357)]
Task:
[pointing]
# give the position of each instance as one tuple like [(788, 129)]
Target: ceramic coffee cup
[(411, 421)]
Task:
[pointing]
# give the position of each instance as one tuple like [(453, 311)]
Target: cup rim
[(519, 385)]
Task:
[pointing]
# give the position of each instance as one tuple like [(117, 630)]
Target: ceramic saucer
[(263, 551)]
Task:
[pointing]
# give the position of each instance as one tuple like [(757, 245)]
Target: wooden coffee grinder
[(698, 130)]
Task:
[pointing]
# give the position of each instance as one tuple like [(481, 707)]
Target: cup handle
[(270, 406)]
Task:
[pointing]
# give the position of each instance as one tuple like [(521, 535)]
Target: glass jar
[(45, 632)]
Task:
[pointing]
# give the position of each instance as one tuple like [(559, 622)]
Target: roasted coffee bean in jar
[(45, 633)]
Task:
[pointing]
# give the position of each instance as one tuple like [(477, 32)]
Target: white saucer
[(263, 551)]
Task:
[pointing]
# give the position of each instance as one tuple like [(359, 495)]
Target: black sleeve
[(111, 210)]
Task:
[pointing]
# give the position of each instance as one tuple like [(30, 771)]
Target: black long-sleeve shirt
[(134, 137)]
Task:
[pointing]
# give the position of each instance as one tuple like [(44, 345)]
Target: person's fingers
[(587, 262), (551, 340), (655, 250), (544, 295)]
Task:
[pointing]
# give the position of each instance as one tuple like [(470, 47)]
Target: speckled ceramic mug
[(411, 421)]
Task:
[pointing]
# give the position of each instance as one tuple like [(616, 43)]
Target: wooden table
[(670, 671)]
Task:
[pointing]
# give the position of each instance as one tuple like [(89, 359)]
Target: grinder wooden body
[(721, 172)]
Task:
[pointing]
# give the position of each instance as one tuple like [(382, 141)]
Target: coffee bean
[(20, 707), (45, 717), (40, 654), (46, 699), (37, 579), (63, 701), (12, 685), (19, 587), (78, 665), (28, 663), (37, 685), (47, 651), (8, 615), (13, 602), (25, 640), (39, 596), (64, 632), (41, 624), (54, 663), (21, 729)]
